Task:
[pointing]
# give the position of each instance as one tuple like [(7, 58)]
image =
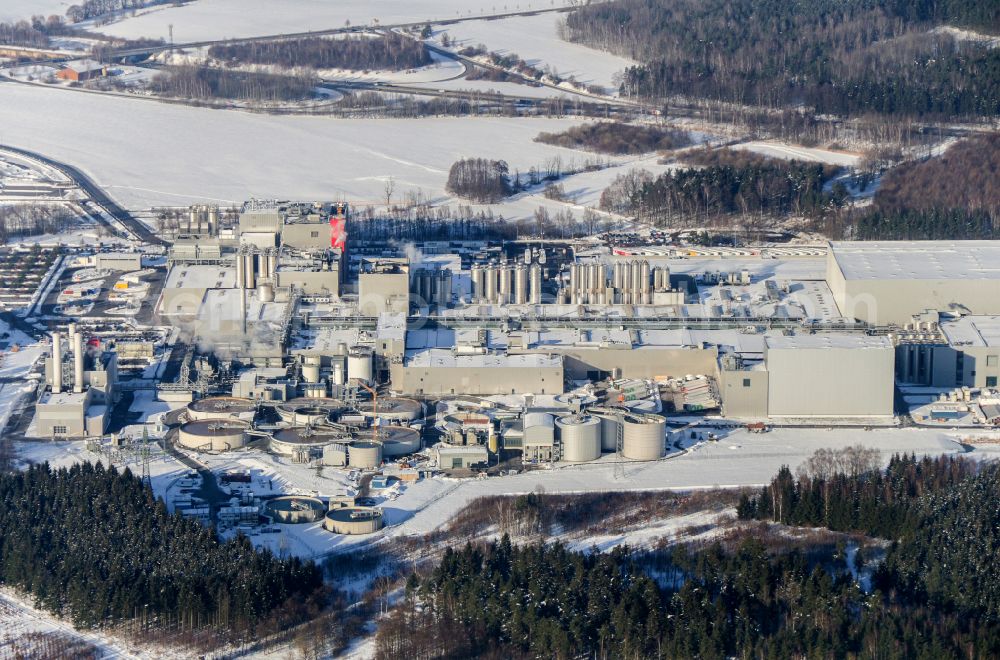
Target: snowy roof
[(63, 399), (83, 66), (391, 326), (918, 260), (443, 358), (200, 276), (973, 331), (840, 341)]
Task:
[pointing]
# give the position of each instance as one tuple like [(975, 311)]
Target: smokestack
[(72, 333), (56, 363), (78, 363)]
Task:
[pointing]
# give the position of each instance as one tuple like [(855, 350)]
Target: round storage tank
[(580, 437), (609, 433), (643, 437), (395, 410), (310, 373), (265, 293), (397, 440), (287, 441), (213, 435), (353, 520), (295, 510), (364, 454), (359, 364), (220, 407)]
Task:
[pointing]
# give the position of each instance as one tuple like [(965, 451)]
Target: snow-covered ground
[(794, 152), (220, 19), (16, 10), (536, 40), (230, 156)]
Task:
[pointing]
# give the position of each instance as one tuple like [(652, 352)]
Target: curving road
[(132, 225)]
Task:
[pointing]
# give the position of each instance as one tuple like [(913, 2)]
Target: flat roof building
[(883, 282)]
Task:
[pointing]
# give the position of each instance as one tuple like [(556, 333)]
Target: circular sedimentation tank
[(309, 410), (295, 509), (394, 410), (220, 407), (580, 437), (364, 454), (643, 437), (395, 440), (353, 520), (213, 434), (287, 441)]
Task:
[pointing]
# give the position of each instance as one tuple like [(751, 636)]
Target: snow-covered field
[(16, 10), (229, 156), (535, 39), (794, 152), (220, 19)]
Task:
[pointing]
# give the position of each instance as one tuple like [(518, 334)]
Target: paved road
[(97, 195)]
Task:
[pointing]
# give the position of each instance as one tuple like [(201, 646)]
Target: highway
[(97, 196)]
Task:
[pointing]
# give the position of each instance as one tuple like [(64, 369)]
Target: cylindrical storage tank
[(310, 373), (364, 454), (265, 293), (248, 270), (359, 364), (535, 294), (644, 275), (398, 440), (240, 267), (353, 520), (643, 437), (609, 433), (314, 390), (619, 276), (213, 435), (506, 281), (596, 277), (338, 373), (478, 283), (490, 285), (521, 285), (580, 437), (636, 268), (295, 509)]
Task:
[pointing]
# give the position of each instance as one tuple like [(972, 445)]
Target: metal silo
[(644, 275), (478, 283), (535, 294), (505, 285), (491, 284), (521, 285), (643, 437), (580, 437)]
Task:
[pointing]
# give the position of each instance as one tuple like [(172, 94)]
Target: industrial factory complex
[(270, 333)]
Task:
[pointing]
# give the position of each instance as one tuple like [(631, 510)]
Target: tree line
[(725, 183), (21, 220), (94, 8), (93, 544), (390, 51), (204, 83), (34, 34), (617, 138), (852, 57), (737, 598)]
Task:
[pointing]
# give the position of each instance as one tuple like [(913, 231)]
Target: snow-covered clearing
[(536, 40), (221, 19), (795, 152), (738, 459), (17, 10), (230, 156), (987, 40)]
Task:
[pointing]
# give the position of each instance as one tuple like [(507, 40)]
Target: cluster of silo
[(588, 285), (632, 283), (506, 284), (203, 219), (433, 287), (253, 263)]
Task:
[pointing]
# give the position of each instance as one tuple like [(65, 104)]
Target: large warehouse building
[(887, 282), (813, 376)]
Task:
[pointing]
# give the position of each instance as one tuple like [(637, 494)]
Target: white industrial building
[(883, 282)]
